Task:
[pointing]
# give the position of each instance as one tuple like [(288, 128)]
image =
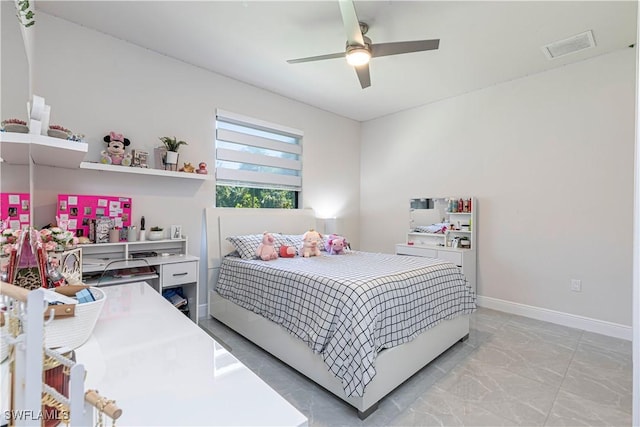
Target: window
[(258, 164)]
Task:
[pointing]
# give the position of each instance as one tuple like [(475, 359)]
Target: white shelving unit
[(144, 171), (19, 148), (440, 245)]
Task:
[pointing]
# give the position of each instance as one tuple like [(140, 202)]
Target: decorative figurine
[(202, 168), (188, 167)]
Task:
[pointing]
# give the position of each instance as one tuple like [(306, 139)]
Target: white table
[(163, 370)]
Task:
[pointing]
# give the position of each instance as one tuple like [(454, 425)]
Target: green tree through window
[(246, 197)]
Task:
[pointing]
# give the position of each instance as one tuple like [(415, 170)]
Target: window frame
[(269, 155)]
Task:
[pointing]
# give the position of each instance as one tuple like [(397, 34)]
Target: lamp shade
[(330, 226)]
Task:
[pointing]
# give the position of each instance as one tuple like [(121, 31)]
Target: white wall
[(636, 250), (96, 83), (14, 84), (14, 74), (550, 159)]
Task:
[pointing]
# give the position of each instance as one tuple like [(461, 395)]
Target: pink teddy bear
[(266, 250)]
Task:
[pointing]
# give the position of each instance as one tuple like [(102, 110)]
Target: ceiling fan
[(360, 49)]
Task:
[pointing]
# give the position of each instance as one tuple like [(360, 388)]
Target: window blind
[(258, 154)]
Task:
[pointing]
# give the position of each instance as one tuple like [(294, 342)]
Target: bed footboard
[(393, 366)]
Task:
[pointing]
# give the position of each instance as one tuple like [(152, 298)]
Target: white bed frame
[(393, 366)]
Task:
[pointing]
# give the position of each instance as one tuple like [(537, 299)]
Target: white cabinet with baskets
[(444, 228)]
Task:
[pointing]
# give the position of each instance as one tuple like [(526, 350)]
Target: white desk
[(163, 370), (173, 266)]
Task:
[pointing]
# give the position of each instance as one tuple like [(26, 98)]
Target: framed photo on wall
[(176, 232)]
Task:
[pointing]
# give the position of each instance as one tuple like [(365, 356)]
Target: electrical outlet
[(576, 285)]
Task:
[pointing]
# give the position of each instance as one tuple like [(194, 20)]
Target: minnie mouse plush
[(115, 155)]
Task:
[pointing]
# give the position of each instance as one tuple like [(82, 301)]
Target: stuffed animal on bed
[(287, 251), (266, 250), (311, 241), (336, 245)]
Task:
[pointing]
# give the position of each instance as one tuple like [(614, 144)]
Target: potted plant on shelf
[(156, 233), (171, 144)]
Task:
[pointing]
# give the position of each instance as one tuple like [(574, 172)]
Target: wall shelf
[(17, 148), (144, 171), (423, 234)]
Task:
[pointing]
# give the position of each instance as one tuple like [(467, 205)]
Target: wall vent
[(569, 45)]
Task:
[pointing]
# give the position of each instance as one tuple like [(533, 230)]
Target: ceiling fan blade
[(351, 23), (363, 75), (316, 58), (396, 48)]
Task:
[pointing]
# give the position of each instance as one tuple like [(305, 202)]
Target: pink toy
[(311, 241), (266, 250), (336, 245), (202, 168), (115, 152)]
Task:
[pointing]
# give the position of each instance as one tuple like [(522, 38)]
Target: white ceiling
[(481, 43)]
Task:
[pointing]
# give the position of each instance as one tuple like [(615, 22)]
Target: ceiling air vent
[(569, 45)]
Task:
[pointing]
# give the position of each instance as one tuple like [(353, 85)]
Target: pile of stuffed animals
[(311, 243)]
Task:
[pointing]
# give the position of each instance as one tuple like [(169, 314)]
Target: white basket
[(74, 331)]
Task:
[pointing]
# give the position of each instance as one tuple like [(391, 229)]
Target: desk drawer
[(454, 257), (178, 273), (416, 251)]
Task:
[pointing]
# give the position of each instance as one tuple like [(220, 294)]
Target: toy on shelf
[(202, 168), (188, 167), (115, 153)]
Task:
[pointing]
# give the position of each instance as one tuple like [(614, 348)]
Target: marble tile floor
[(512, 371)]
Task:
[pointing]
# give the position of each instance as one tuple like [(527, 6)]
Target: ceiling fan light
[(358, 56)]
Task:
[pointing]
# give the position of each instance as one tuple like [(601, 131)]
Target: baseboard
[(565, 319), (571, 320), (203, 311)]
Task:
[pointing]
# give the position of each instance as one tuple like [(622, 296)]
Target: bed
[(358, 324)]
